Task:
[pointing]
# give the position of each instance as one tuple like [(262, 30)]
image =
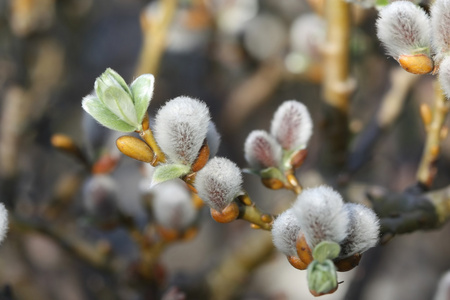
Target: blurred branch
[(337, 82), (224, 280), (252, 93), (390, 109), (93, 256), (155, 29), (435, 132), (411, 211)]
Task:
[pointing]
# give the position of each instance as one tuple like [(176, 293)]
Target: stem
[(427, 170), (154, 29), (248, 211), (147, 136), (337, 84), (293, 183)]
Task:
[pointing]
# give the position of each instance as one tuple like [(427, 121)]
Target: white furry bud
[(3, 222), (213, 138), (285, 230), (292, 125), (321, 215), (363, 230), (180, 129), (219, 182), (404, 29), (172, 205), (308, 34), (444, 76), (440, 26), (262, 150)]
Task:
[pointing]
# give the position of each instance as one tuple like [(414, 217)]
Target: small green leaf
[(142, 89), (322, 277), (93, 106), (272, 172), (120, 103), (326, 250), (107, 79), (169, 171), (381, 3)]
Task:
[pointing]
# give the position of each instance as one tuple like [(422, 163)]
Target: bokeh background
[(243, 58)]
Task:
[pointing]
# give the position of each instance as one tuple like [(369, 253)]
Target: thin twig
[(427, 170), (155, 29)]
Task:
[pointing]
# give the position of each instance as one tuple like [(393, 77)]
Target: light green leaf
[(142, 89), (107, 79), (272, 172), (322, 277), (120, 103), (326, 250), (93, 106), (381, 3), (169, 171)]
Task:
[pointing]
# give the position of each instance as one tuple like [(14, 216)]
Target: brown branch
[(224, 280), (337, 83), (434, 126)]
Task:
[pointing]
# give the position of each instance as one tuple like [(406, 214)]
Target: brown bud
[(416, 64), (190, 233), (64, 143), (443, 133), (168, 235), (197, 201), (297, 263), (425, 113), (266, 218), (303, 250), (227, 215), (348, 263), (272, 183), (135, 148), (202, 158), (245, 199), (254, 226), (106, 164), (298, 158)]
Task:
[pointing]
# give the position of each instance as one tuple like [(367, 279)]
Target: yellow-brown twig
[(251, 213), (154, 29), (427, 169)]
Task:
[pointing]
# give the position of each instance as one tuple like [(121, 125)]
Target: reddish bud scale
[(315, 294), (349, 263), (227, 215), (298, 158), (202, 158), (63, 142), (297, 263), (106, 164), (303, 250)]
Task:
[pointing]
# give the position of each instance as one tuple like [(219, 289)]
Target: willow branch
[(155, 29), (249, 212), (427, 170), (338, 85), (390, 109), (75, 247), (224, 280), (410, 211)]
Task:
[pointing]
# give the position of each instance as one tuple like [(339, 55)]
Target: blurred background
[(243, 58)]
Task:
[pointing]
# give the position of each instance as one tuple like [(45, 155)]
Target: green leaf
[(322, 277), (120, 103), (168, 172), (381, 3), (142, 89), (93, 106), (326, 250), (272, 172)]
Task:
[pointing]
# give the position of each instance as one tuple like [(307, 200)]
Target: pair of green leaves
[(119, 106), (322, 277)]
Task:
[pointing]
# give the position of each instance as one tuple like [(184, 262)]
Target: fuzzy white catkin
[(443, 288), (180, 128), (444, 76), (262, 150), (292, 125), (172, 205), (308, 34), (440, 26), (321, 215), (219, 182), (3, 222), (213, 138), (363, 229), (404, 29), (100, 195), (285, 231)]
